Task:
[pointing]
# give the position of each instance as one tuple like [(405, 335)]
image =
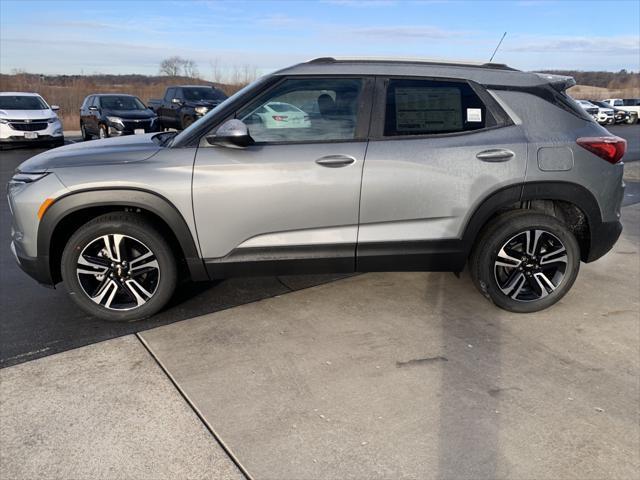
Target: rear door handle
[(335, 161), (495, 155)]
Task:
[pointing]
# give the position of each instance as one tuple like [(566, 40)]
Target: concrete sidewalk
[(391, 375), (105, 411), (415, 375)]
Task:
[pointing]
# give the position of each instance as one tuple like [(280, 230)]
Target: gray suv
[(331, 165)]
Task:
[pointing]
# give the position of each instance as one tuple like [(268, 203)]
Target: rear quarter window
[(422, 107)]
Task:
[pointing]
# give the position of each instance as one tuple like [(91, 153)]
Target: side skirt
[(427, 256), (413, 256)]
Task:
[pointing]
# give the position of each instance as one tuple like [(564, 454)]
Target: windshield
[(205, 93), (121, 103), (195, 126), (22, 102)]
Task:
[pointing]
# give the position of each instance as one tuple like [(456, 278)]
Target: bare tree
[(216, 71), (172, 66), (190, 68)]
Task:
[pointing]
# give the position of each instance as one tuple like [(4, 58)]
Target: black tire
[(505, 231), (187, 121), (631, 121), (57, 143), (103, 131), (85, 135), (158, 286)]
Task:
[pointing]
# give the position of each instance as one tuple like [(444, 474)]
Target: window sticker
[(474, 114), (428, 109)]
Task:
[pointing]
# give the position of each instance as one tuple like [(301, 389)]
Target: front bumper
[(37, 268), (129, 127), (51, 133)]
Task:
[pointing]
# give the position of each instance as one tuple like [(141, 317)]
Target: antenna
[(499, 43)]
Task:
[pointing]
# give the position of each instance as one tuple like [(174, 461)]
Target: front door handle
[(335, 161), (495, 155)]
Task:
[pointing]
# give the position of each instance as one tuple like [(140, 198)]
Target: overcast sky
[(118, 36)]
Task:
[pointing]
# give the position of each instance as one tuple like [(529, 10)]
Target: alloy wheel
[(118, 272), (530, 265)]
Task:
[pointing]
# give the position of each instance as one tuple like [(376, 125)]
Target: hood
[(203, 103), (109, 151), (129, 114), (27, 114)]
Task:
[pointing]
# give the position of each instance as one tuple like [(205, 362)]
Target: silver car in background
[(398, 165)]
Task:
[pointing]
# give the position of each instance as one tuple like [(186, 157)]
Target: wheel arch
[(67, 213), (570, 202)]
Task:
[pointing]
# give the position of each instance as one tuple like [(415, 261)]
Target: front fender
[(125, 197)]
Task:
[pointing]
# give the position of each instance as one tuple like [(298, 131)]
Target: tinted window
[(170, 94), (121, 103), (630, 102), (196, 94), (94, 102), (21, 102), (86, 102), (305, 110), (418, 107)]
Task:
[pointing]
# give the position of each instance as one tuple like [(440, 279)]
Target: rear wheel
[(525, 261), (118, 267)]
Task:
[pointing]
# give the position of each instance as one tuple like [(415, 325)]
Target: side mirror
[(93, 108), (55, 108), (233, 134), (177, 101)]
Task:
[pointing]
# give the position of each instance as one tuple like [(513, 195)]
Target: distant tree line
[(612, 80)]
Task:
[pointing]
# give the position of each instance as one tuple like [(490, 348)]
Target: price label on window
[(474, 114)]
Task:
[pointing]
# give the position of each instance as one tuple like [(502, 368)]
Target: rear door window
[(423, 107)]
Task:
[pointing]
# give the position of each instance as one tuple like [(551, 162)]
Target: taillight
[(610, 148), (280, 118)]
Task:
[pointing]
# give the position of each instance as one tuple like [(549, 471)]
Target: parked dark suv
[(113, 115), (183, 105), (334, 166)]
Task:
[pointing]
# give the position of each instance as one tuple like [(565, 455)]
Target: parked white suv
[(26, 118), (605, 116), (631, 105)]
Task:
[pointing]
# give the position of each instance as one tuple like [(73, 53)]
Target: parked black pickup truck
[(183, 105)]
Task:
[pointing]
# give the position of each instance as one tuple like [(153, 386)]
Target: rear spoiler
[(558, 82)]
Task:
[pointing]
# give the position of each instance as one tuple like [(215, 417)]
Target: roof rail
[(420, 61)]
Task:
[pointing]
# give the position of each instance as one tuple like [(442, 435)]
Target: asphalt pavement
[(37, 321)]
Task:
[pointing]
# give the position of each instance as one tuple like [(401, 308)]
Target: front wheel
[(525, 261), (118, 267), (103, 131), (631, 120), (187, 121), (83, 130)]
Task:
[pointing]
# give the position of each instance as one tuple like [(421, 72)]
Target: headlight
[(202, 110), (4, 120), (52, 120), (21, 178), (115, 120)]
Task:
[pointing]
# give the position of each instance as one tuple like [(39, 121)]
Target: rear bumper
[(603, 238)]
